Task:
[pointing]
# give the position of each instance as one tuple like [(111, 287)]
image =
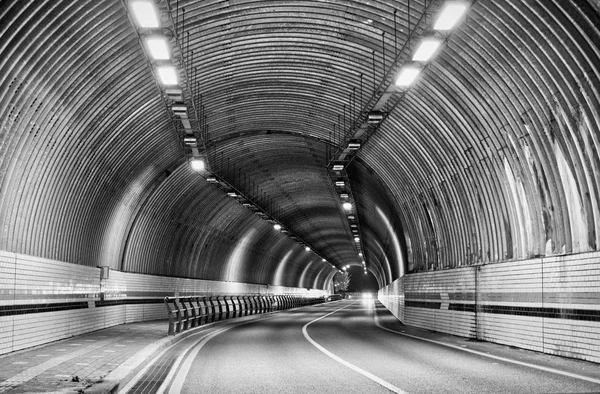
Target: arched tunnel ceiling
[(492, 155)]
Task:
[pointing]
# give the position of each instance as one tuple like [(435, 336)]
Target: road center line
[(361, 371), (507, 360)]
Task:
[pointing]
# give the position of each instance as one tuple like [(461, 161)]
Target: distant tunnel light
[(407, 76), (158, 48), (144, 13), (347, 206), (167, 75), (426, 49), (450, 15), (197, 164)]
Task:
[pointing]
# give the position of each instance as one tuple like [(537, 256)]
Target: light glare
[(347, 206), (158, 48), (426, 50), (407, 76), (197, 164), (145, 14), (450, 15), (167, 75), (277, 227)]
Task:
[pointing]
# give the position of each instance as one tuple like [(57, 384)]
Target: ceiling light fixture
[(347, 206), (340, 183), (307, 249), (277, 226), (197, 164), (426, 49), (167, 75), (338, 167), (450, 15), (407, 76), (158, 48), (145, 13)]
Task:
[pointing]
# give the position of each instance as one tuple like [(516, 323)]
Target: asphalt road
[(348, 347)]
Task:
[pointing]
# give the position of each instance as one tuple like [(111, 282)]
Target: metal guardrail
[(193, 311)]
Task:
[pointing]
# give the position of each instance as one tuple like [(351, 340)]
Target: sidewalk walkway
[(92, 363)]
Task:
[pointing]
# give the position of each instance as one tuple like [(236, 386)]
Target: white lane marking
[(143, 371), (187, 364), (190, 356), (353, 367), (507, 360)]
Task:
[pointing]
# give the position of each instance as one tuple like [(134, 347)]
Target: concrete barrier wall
[(551, 305), (44, 300)]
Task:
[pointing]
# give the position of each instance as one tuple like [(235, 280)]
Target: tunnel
[(445, 153)]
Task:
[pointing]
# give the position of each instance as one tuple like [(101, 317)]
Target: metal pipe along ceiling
[(492, 155)]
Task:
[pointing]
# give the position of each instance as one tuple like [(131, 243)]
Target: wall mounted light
[(450, 15), (145, 13)]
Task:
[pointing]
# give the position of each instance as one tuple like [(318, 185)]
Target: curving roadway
[(353, 346)]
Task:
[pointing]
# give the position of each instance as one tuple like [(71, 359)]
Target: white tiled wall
[(27, 280), (566, 283)]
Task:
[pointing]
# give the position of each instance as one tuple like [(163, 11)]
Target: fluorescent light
[(360, 254), (158, 48), (307, 249), (232, 194), (197, 164), (340, 183), (344, 195), (167, 75), (450, 15), (407, 76), (356, 239), (277, 226), (354, 145), (350, 217), (145, 14), (338, 167), (426, 49), (375, 117), (212, 179), (347, 206), (323, 260)]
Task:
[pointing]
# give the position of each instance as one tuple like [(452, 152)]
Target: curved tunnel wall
[(492, 156)]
